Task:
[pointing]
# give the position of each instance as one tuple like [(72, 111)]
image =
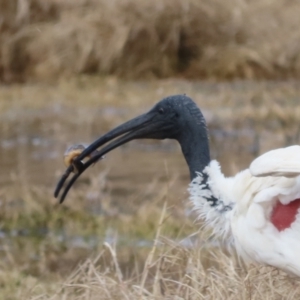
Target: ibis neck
[(195, 148)]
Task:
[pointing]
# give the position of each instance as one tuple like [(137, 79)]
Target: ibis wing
[(279, 162)]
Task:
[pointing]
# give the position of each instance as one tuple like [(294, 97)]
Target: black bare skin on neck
[(191, 134)]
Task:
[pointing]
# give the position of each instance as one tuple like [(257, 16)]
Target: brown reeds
[(100, 243), (175, 273), (201, 39)]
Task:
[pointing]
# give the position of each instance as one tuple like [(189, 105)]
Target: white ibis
[(257, 210)]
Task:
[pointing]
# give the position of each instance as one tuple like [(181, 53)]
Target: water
[(34, 138), (32, 150)]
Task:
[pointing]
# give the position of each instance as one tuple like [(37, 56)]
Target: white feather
[(246, 225), (279, 162)]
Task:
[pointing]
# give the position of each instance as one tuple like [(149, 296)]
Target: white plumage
[(257, 211), (259, 216)]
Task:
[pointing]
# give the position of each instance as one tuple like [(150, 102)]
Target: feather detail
[(213, 208), (279, 162)]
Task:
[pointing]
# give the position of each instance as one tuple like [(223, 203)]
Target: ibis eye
[(161, 111)]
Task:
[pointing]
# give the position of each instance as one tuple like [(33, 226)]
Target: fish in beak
[(173, 117)]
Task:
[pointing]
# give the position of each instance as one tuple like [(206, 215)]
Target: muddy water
[(33, 143), (38, 122), (120, 199)]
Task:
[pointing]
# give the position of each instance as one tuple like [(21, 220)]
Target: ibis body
[(256, 211)]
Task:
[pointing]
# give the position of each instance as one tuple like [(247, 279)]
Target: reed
[(113, 238), (44, 40)]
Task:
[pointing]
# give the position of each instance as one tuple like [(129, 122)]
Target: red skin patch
[(284, 215)]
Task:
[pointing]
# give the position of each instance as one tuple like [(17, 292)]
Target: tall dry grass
[(169, 272), (179, 274), (203, 39), (100, 243)]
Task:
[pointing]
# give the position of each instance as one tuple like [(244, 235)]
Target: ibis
[(257, 211)]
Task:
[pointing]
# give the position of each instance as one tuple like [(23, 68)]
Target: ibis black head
[(175, 117)]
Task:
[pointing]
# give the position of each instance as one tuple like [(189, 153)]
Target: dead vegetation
[(171, 271), (44, 267), (177, 273), (100, 243), (43, 40)]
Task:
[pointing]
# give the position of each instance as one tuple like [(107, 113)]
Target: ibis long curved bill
[(149, 125)]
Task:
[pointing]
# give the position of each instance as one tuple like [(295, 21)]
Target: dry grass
[(172, 272), (169, 271), (49, 269), (177, 273), (201, 39), (100, 243)]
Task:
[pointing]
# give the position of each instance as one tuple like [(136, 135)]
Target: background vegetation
[(72, 69), (126, 230), (201, 39)]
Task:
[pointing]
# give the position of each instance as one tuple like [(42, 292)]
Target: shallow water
[(32, 151), (35, 135)]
